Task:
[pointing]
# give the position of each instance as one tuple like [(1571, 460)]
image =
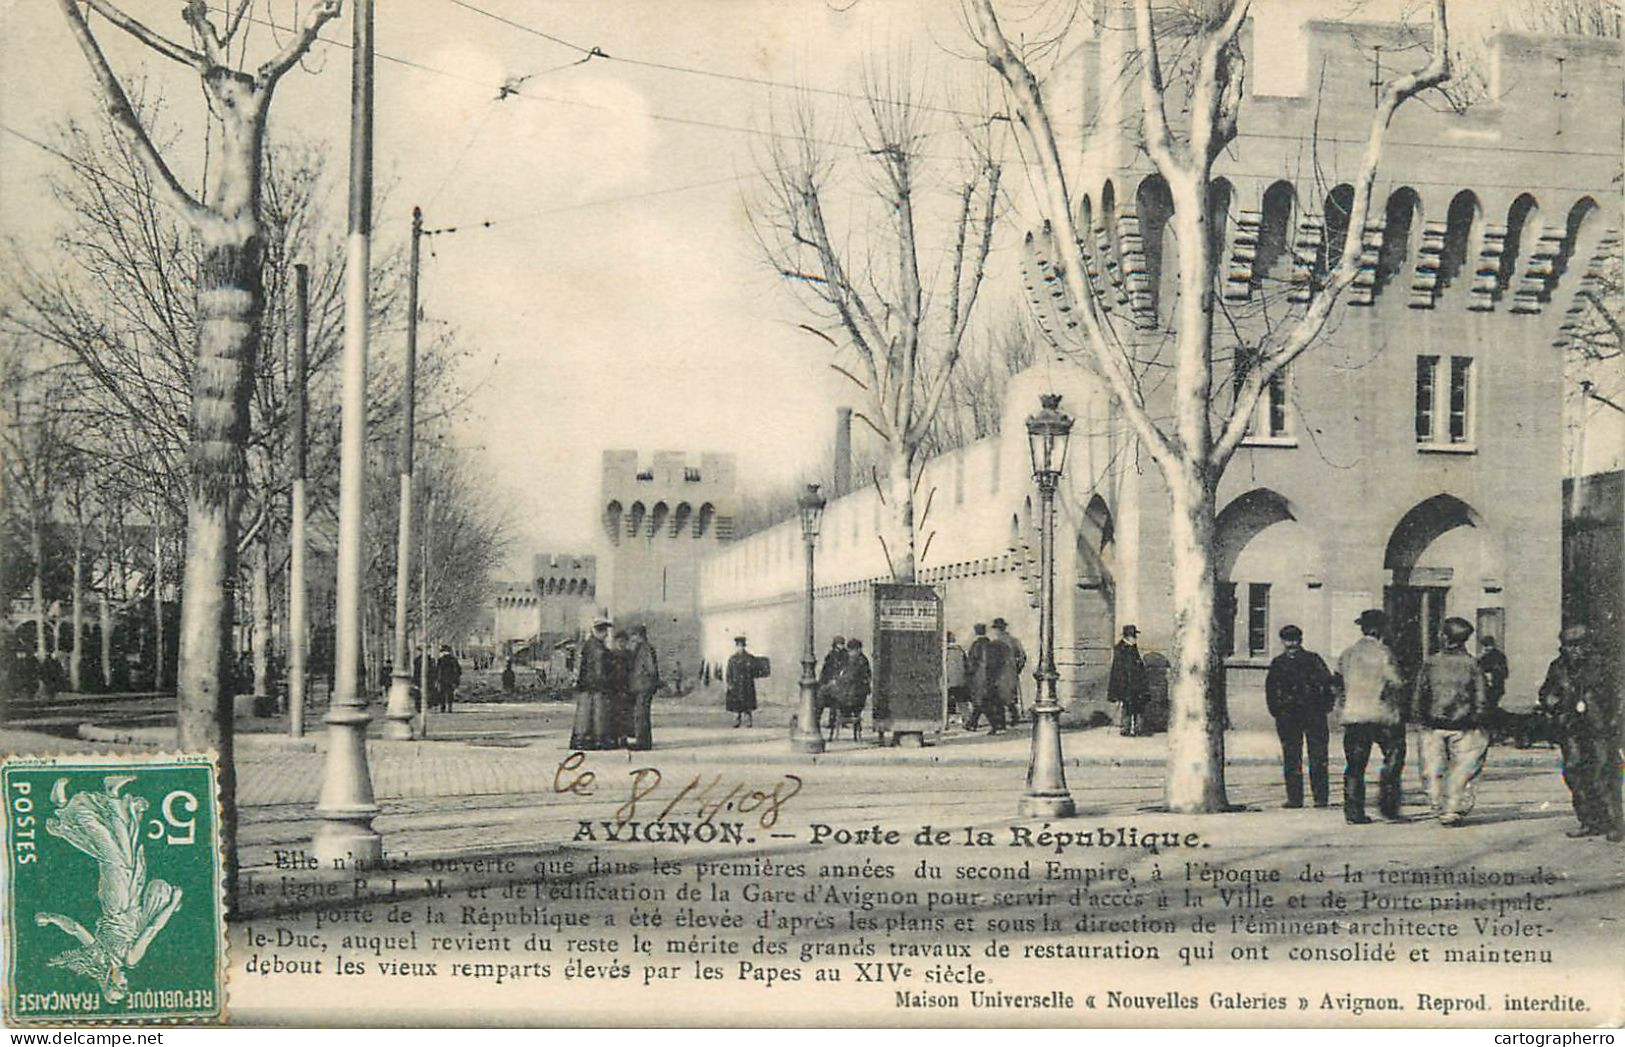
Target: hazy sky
[(618, 299)]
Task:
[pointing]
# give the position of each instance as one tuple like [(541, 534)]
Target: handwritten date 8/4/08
[(697, 797)]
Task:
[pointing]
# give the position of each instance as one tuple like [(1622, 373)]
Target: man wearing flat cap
[(1452, 709), (1298, 693), (1371, 691), (1578, 693)]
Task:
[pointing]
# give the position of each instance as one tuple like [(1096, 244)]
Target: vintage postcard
[(989, 513)]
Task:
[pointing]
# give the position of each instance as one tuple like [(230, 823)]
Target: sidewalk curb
[(725, 752)]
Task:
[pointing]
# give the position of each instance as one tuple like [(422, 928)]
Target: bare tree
[(35, 451), (1194, 443), (898, 329), (229, 303)]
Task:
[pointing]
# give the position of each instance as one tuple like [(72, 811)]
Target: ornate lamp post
[(804, 737), (1048, 433)]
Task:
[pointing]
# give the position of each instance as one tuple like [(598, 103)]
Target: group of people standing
[(985, 680), (844, 681), (1452, 702), (445, 673), (617, 676)]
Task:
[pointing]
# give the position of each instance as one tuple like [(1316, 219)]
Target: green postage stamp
[(113, 906)]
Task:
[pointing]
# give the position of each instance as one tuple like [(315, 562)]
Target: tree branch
[(1309, 327), (1035, 124), (298, 44), (125, 119), (1159, 141), (157, 41)]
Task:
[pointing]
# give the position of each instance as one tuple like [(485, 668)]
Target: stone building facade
[(1411, 460)]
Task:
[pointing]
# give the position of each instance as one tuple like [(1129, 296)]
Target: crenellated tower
[(660, 517)]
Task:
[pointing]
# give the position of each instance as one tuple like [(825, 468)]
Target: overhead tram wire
[(512, 90), (670, 67), (489, 223)]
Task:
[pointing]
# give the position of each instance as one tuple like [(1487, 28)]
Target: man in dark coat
[(1298, 693), (1128, 685), (1586, 707), (741, 679), (1493, 664), (992, 672), (448, 673), (1008, 681), (828, 673), (592, 681), (956, 676), (852, 685), (643, 680), (976, 674)]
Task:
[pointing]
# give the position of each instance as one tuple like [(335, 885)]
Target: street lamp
[(805, 737), (1048, 433)]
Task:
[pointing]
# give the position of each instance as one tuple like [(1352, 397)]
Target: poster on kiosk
[(909, 696)]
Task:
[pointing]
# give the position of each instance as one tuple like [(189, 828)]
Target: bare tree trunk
[(36, 538), (229, 311), (157, 602), (1195, 726), (262, 615), (901, 506), (76, 657), (105, 619)]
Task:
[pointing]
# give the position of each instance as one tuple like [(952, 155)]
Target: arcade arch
[(1438, 558)]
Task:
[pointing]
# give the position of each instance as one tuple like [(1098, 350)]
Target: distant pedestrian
[(1492, 662), (852, 686), (741, 680), (1298, 693), (987, 658), (1451, 708), (1372, 693), (644, 681), (616, 712), (508, 678), (955, 677), (828, 673), (592, 685), (1008, 680), (1128, 685), (1586, 707), (448, 673)]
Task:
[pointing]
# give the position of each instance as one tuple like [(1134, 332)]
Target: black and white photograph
[(897, 514)]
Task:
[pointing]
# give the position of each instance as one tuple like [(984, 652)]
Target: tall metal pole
[(296, 532), (346, 806), (423, 616), (1047, 795), (399, 713)]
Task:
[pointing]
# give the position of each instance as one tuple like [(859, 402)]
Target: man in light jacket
[(1372, 696), (1452, 707)]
